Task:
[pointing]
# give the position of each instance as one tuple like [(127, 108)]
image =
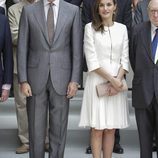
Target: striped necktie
[(50, 22), (154, 44)]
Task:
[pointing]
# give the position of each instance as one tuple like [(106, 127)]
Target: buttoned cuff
[(6, 86)]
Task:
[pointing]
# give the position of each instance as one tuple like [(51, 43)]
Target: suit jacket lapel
[(40, 17), (20, 9), (22, 4), (60, 21), (146, 38)]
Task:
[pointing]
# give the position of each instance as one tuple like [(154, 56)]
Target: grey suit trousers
[(21, 113), (38, 106)]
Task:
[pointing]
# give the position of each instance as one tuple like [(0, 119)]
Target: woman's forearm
[(121, 73), (101, 72)]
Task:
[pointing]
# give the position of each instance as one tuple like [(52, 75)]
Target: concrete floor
[(77, 138)]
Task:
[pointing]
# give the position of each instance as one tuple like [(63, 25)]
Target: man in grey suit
[(49, 68), (14, 14), (144, 62)]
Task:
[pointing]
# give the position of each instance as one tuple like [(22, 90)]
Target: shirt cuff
[(6, 86)]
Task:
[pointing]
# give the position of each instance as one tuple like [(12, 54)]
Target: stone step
[(9, 139), (76, 136)]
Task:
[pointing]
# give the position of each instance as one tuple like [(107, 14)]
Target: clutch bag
[(102, 89)]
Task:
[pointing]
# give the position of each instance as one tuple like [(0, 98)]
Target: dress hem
[(106, 127)]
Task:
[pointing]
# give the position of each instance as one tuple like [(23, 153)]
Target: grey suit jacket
[(141, 13), (145, 81), (37, 58)]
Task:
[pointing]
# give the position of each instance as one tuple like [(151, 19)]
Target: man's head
[(153, 12)]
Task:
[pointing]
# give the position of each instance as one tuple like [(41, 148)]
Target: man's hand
[(26, 89), (72, 89), (4, 95)]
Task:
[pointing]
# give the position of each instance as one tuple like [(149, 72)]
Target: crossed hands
[(114, 86)]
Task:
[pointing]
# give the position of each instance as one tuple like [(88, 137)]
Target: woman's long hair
[(97, 22)]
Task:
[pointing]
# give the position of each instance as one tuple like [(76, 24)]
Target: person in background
[(6, 61), (140, 12), (144, 57), (9, 3), (134, 3), (106, 52)]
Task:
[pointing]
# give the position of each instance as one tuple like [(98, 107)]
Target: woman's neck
[(108, 23)]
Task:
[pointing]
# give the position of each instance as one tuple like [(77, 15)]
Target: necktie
[(50, 22), (154, 44)]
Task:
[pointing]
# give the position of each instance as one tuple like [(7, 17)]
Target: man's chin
[(155, 23)]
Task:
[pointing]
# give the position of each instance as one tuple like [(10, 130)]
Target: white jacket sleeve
[(89, 48), (125, 52)]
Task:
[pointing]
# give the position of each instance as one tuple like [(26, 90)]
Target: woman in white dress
[(106, 52)]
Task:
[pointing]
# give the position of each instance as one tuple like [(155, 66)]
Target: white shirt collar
[(56, 3), (153, 28)]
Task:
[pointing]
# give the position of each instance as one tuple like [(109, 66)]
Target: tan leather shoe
[(22, 149)]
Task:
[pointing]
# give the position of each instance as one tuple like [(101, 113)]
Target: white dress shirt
[(153, 32), (55, 10), (2, 3)]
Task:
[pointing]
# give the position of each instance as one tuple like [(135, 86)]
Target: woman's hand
[(116, 83), (112, 91)]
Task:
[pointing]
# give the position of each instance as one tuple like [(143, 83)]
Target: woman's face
[(106, 9)]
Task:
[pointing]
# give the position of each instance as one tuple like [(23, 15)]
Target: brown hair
[(96, 20)]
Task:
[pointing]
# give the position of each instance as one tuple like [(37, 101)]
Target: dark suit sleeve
[(7, 56), (132, 48), (87, 12), (75, 2), (23, 47), (9, 3), (77, 52), (137, 14), (2, 11), (127, 20)]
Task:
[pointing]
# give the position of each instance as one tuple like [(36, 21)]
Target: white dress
[(108, 50)]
